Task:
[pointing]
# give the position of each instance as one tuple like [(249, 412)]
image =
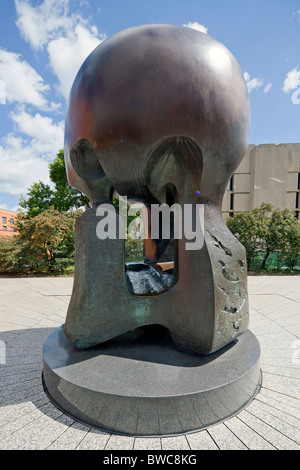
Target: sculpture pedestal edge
[(147, 388)]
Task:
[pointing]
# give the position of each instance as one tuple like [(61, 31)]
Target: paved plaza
[(31, 308)]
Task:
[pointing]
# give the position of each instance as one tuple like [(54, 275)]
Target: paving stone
[(286, 424), (250, 438), (201, 441), (119, 442), (142, 443), (34, 434), (93, 440), (70, 438), (289, 320), (20, 421), (47, 433), (31, 308), (225, 438), (273, 436), (263, 301), (286, 385), (5, 326), (283, 371), (281, 400), (286, 354), (295, 329), (279, 362), (175, 443), (19, 392), (265, 328)]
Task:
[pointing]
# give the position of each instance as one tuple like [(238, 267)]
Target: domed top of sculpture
[(152, 82)]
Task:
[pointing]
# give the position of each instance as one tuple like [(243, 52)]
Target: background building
[(8, 223), (268, 173)]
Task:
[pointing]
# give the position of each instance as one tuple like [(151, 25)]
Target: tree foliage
[(64, 196), (267, 230), (44, 243), (38, 199), (60, 195), (46, 225)]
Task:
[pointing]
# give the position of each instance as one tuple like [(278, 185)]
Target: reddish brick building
[(8, 223)]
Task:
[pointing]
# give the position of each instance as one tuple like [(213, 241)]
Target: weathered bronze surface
[(154, 111)]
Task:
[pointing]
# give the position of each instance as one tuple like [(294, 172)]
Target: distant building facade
[(268, 173), (8, 223)]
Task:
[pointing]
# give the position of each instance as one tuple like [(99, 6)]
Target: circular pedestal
[(146, 387)]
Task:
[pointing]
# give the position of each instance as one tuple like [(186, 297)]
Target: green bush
[(45, 243), (271, 237), (134, 249)]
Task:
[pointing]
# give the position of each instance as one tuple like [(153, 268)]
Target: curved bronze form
[(156, 107)]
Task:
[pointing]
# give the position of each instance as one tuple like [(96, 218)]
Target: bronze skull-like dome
[(150, 82)]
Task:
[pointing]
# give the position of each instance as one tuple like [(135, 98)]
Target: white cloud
[(296, 13), (67, 53), (292, 80), (197, 26), (69, 37), (22, 83), (253, 83), (38, 24), (296, 97), (40, 127), (24, 160), (21, 164), (9, 208), (2, 92)]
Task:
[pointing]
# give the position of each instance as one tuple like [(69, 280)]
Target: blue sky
[(44, 42)]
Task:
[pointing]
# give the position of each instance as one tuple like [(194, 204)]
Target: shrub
[(267, 230)]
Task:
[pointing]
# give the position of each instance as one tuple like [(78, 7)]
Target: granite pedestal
[(146, 387)]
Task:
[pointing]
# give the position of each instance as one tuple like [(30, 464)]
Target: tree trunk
[(265, 259)]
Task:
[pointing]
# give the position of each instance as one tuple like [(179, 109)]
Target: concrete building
[(8, 223), (268, 173)]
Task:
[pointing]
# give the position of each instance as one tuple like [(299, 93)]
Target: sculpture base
[(146, 387)]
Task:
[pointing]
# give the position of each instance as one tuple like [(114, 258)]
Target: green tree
[(64, 196), (269, 230), (284, 236), (14, 255), (51, 235), (61, 196), (39, 198), (250, 229), (45, 242)]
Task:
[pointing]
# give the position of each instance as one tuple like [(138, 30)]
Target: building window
[(4, 227), (231, 205), (298, 199), (12, 229), (12, 221), (4, 220)]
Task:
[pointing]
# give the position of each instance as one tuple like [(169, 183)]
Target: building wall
[(8, 223), (268, 173)]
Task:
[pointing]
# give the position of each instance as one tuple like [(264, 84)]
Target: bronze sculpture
[(151, 108), (160, 114)]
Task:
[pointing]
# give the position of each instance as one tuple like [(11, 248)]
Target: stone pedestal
[(146, 387)]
